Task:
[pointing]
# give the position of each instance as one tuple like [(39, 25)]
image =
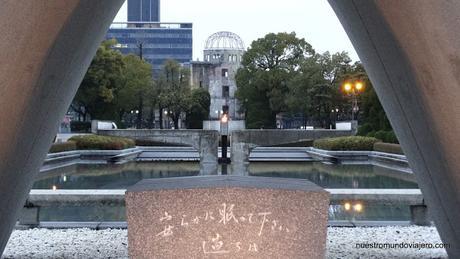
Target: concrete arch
[(46, 48), (410, 49)]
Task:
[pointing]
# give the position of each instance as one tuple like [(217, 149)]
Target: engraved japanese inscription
[(216, 243), (229, 222)]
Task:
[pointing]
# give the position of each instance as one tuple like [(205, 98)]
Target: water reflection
[(122, 176), (111, 176), (338, 176)]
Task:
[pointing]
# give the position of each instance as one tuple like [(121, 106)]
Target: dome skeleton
[(224, 40)]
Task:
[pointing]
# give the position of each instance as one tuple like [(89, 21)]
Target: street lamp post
[(335, 117), (132, 116), (353, 89)]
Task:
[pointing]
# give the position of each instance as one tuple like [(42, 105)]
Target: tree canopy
[(121, 88), (97, 92), (262, 80), (281, 73), (174, 87)]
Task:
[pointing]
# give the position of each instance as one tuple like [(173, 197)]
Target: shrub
[(80, 126), (381, 134), (364, 129), (385, 136), (390, 137), (64, 146), (388, 148), (371, 134), (346, 143), (96, 142)]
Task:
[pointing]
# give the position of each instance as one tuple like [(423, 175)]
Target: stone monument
[(226, 217)]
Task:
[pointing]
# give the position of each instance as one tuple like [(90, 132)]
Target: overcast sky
[(313, 20)]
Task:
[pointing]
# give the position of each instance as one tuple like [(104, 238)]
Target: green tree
[(262, 81), (314, 90), (326, 95), (137, 91), (96, 94), (198, 111), (174, 90), (373, 117)]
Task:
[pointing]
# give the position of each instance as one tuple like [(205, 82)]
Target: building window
[(224, 72), (225, 109), (225, 91), (201, 84)]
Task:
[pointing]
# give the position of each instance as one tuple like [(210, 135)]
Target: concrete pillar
[(419, 215), (411, 51), (208, 150), (46, 48), (240, 152)]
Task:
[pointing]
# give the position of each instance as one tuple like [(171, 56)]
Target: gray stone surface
[(112, 243), (244, 141), (411, 51), (226, 217), (46, 48), (205, 141)]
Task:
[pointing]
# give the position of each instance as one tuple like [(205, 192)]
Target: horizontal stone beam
[(205, 141), (278, 137), (389, 196)]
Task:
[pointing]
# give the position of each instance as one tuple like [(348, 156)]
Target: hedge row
[(96, 142), (355, 143), (367, 130), (388, 148), (385, 136), (64, 146), (352, 143)]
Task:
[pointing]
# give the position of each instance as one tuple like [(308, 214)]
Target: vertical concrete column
[(208, 150), (45, 49), (411, 51), (240, 158), (239, 151)]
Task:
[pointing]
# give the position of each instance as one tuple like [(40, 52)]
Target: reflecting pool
[(110, 176)]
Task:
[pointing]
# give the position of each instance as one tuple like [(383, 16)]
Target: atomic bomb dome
[(222, 57), (224, 40)]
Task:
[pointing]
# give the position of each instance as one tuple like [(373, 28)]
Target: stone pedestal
[(226, 217)]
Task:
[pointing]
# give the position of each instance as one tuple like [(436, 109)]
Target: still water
[(122, 176)]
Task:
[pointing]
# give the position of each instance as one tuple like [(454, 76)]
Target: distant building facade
[(154, 41), (144, 35), (143, 10), (222, 58)]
